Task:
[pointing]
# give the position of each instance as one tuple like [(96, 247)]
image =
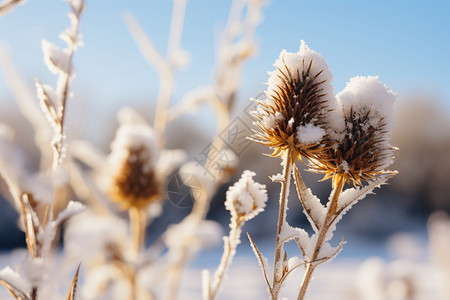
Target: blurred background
[(405, 43)]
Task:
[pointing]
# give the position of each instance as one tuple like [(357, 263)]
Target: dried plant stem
[(312, 264), (287, 164), (133, 284), (137, 228), (228, 253), (165, 91), (62, 113), (34, 293), (175, 278)]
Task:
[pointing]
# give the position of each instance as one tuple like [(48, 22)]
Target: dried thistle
[(134, 181), (360, 151), (347, 140), (132, 178), (299, 97)]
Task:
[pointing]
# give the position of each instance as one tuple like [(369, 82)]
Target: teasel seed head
[(298, 99), (360, 150), (134, 181)]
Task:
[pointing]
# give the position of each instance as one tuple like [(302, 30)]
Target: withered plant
[(40, 198), (345, 137)]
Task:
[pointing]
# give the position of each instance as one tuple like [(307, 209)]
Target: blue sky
[(405, 43)]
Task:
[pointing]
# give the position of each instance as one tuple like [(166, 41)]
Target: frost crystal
[(246, 197)]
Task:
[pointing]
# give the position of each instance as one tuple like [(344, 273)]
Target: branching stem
[(228, 253), (277, 276), (312, 264)]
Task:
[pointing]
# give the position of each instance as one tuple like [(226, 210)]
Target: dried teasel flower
[(298, 99), (246, 198), (134, 180), (360, 150)]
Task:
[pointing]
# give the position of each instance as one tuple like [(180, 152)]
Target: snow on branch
[(59, 61)]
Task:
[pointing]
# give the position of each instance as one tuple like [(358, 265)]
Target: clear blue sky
[(406, 43)]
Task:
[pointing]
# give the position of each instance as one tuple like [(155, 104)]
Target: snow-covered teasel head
[(132, 179), (246, 198), (361, 149), (299, 98)]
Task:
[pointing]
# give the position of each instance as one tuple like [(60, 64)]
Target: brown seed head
[(131, 178), (359, 156), (359, 150), (293, 115), (135, 183)]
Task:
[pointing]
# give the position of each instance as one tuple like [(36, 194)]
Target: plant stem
[(287, 163), (137, 228), (311, 265), (228, 253)]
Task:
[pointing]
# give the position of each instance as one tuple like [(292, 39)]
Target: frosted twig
[(145, 45), (26, 101), (230, 244), (245, 199), (277, 273), (53, 103), (8, 5), (164, 67)]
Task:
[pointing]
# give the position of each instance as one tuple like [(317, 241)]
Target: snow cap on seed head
[(362, 149), (299, 99)]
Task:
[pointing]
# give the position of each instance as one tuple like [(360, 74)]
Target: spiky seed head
[(134, 181), (299, 96), (361, 150)]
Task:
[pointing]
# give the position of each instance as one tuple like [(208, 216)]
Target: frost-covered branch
[(7, 6), (245, 199), (165, 67), (59, 61)]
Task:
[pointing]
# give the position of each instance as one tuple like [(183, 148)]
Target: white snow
[(12, 278), (47, 101), (72, 209), (134, 137), (369, 94), (298, 62), (309, 134), (277, 178), (56, 60), (271, 121), (130, 116), (87, 235), (344, 166), (246, 197)]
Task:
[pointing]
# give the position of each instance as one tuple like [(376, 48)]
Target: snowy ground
[(353, 275)]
